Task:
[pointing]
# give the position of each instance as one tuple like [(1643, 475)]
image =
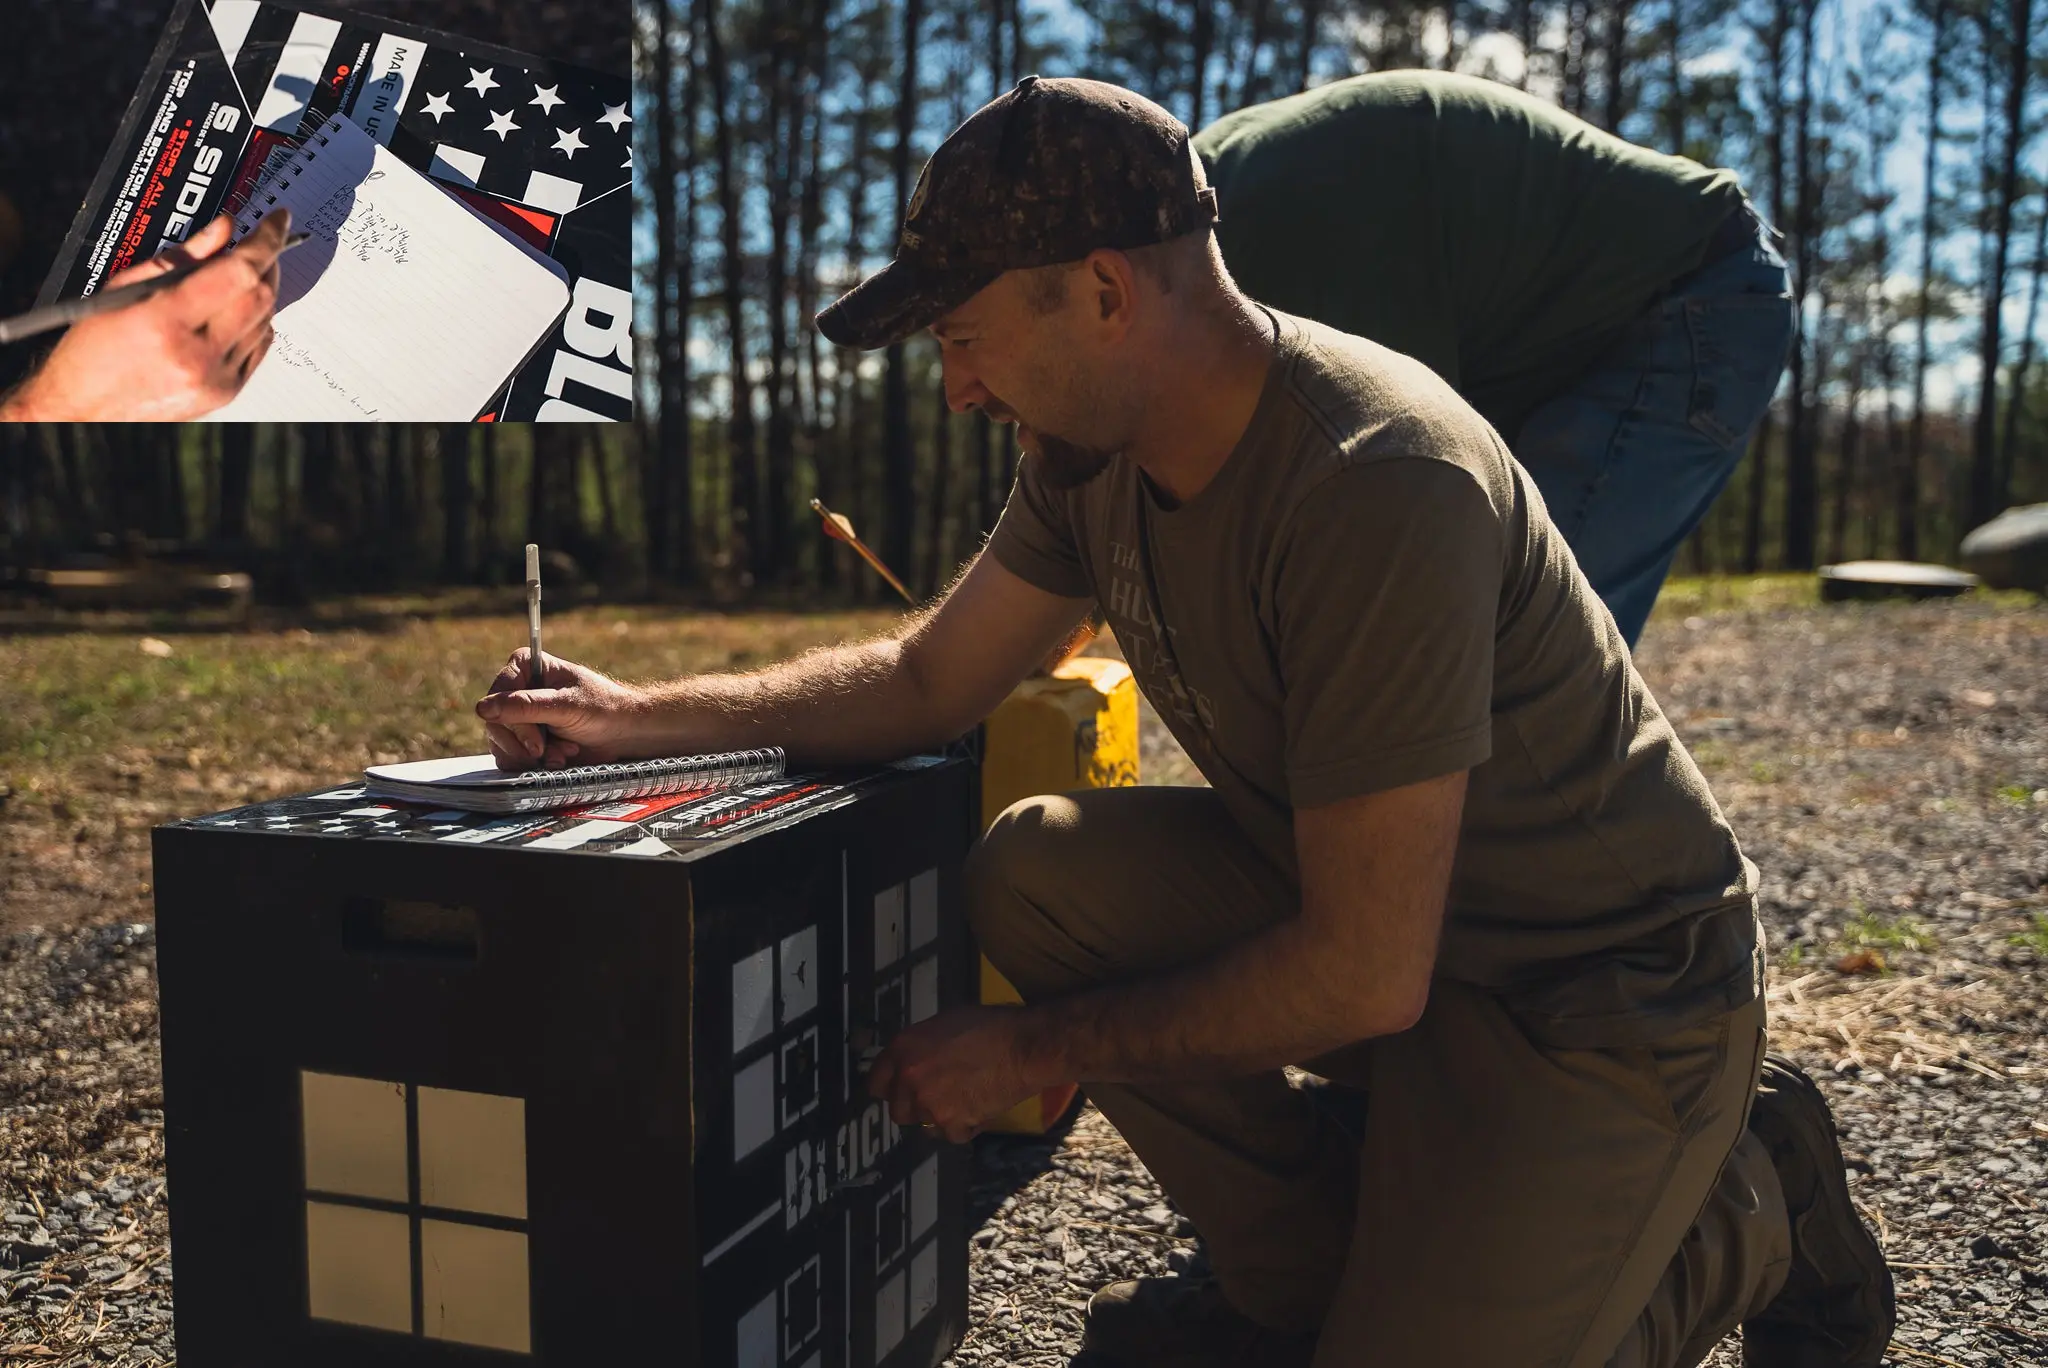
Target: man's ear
[(1112, 284)]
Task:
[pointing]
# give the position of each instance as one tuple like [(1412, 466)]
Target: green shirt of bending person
[(1619, 316)]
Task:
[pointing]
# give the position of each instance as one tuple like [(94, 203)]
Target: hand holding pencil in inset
[(173, 338)]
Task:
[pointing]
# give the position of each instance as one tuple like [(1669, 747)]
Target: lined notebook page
[(404, 306)]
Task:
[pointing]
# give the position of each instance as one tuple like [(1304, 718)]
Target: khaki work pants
[(1511, 1205)]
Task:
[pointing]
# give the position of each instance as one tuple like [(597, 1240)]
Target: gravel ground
[(1886, 767)]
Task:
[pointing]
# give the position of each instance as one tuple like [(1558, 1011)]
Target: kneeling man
[(1451, 850)]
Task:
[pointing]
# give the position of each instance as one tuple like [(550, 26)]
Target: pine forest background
[(1892, 140)]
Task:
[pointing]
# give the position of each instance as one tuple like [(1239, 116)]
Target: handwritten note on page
[(403, 307)]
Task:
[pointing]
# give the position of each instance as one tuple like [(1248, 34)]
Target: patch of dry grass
[(107, 732)]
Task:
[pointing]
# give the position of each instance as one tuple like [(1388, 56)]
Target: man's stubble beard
[(1064, 463)]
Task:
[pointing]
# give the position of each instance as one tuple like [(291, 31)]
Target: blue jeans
[(1632, 456)]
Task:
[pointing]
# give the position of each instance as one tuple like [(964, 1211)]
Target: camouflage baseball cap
[(1042, 174)]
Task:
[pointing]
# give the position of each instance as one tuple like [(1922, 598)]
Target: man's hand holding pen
[(176, 356)]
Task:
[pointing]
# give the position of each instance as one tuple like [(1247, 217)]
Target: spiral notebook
[(404, 307), (474, 783)]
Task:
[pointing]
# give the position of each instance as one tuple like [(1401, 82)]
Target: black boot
[(1836, 1308), (1182, 1322)]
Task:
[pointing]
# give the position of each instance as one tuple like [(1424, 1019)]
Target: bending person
[(1621, 317)]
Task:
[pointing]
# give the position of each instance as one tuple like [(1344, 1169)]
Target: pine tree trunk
[(1617, 63), (540, 526), (671, 308), (1907, 493), (1849, 464), (938, 551), (237, 475), (1525, 33), (1575, 85), (771, 548), (1311, 21), (745, 500), (487, 522), (1894, 444), (1983, 501), (456, 496), (995, 48), (1801, 482), (1758, 491), (813, 219), (682, 483), (607, 502), (1674, 64), (839, 482), (2008, 445), (899, 500), (1776, 30), (401, 446), (1248, 83)]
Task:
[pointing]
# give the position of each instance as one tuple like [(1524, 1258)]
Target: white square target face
[(924, 909), (473, 1285), (472, 1152), (888, 1315), (889, 918), (924, 1282), (924, 1197), (799, 966), (924, 989), (359, 1266), (802, 1309), (354, 1136), (753, 1106), (753, 998), (757, 1335)]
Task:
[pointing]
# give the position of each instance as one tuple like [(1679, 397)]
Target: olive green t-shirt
[(1369, 594), (1488, 234)]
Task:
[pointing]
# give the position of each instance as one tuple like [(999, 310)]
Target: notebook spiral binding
[(714, 771), (247, 208), (650, 778)]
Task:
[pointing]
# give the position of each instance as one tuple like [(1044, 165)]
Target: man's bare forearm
[(1280, 997), (834, 705)]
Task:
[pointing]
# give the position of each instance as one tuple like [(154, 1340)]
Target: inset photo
[(297, 211)]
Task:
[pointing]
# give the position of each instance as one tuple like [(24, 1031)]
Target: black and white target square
[(753, 998), (759, 1328), (892, 1008), (800, 1059), (802, 1309), (753, 1106), (798, 983), (924, 989), (892, 1226), (891, 918)]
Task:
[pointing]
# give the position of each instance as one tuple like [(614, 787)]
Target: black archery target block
[(446, 1090)]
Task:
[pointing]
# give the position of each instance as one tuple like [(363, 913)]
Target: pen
[(75, 310), (535, 675)]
